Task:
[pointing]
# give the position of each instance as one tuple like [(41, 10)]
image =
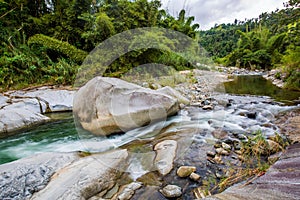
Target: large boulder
[(109, 105)]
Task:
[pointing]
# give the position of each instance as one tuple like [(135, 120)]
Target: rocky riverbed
[(184, 157)]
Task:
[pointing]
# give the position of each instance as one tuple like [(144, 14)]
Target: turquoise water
[(46, 137)]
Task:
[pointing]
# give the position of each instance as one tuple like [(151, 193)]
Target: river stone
[(165, 154), (85, 177), (21, 178), (171, 191), (185, 171), (109, 105), (194, 176), (127, 191)]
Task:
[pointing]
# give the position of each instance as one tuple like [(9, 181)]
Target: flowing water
[(62, 135)]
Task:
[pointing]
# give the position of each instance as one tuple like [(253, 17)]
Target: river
[(61, 135)]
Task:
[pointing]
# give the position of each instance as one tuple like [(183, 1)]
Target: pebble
[(226, 146), (218, 160), (239, 152), (171, 191), (222, 151), (185, 171), (195, 177), (207, 107)]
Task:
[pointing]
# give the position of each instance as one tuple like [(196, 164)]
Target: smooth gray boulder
[(23, 109), (21, 178), (85, 177), (52, 100), (109, 105), (20, 115), (165, 154)]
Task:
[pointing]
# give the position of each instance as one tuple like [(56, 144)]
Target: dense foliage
[(268, 42), (46, 41)]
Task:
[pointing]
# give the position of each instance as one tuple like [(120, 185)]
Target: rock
[(237, 146), (195, 177), (21, 178), (165, 154), (109, 105), (185, 171), (154, 86), (218, 160), (20, 115), (221, 151), (207, 107), (171, 191), (238, 152), (218, 144), (85, 177), (145, 85), (251, 115), (175, 94), (127, 191), (219, 133), (55, 100), (226, 146), (274, 146), (240, 136)]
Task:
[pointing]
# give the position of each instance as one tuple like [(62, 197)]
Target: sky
[(210, 12)]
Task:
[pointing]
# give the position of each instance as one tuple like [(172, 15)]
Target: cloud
[(210, 12)]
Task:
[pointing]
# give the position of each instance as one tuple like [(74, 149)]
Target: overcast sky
[(210, 12)]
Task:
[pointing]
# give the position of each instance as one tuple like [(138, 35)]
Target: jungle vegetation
[(46, 41)]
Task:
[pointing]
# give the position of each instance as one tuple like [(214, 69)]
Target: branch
[(8, 12)]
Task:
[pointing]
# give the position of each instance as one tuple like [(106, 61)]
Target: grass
[(254, 163)]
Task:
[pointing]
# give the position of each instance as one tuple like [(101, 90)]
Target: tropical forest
[(130, 100)]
